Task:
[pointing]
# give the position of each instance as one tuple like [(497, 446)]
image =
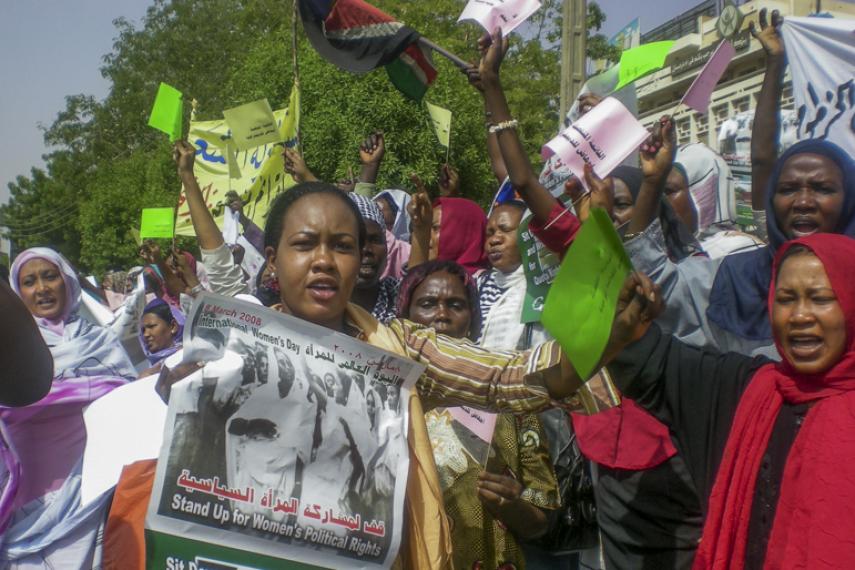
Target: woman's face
[(440, 302), (387, 211), (157, 333), (42, 289), (433, 251), (624, 204), (329, 384), (806, 318), (373, 256), (809, 196), (370, 404), (317, 259), (677, 192), (501, 244)]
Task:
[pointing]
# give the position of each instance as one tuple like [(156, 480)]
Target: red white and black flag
[(358, 37)]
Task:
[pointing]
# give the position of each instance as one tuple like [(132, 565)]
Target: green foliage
[(107, 164)]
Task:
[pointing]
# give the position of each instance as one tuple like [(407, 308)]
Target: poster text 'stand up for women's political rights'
[(290, 444)]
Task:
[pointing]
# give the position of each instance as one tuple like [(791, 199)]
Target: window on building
[(721, 112), (702, 128), (742, 104), (684, 131)]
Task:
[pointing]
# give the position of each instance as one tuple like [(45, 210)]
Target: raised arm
[(421, 222), (657, 159), (522, 177), (371, 153), (25, 359), (207, 232), (765, 133)]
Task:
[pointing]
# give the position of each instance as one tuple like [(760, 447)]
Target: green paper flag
[(168, 112), (581, 304), (441, 119), (638, 62), (157, 223)]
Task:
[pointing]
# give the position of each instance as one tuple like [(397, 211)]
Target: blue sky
[(54, 48)]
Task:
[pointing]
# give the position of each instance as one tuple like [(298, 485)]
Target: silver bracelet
[(504, 125), (196, 290)]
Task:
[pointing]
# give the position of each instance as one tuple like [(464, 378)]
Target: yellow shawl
[(426, 541)]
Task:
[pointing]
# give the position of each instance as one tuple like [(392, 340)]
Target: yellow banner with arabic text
[(257, 175)]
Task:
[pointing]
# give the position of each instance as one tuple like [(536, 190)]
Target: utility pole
[(574, 36)]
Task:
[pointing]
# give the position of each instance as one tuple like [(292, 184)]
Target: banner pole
[(294, 17), (456, 60)]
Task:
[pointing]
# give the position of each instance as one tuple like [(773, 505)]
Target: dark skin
[(807, 319), (371, 267), (371, 153), (809, 196), (486, 79), (624, 204), (440, 301), (421, 224), (317, 260), (157, 333), (501, 244), (766, 131), (676, 189), (25, 380), (387, 211), (657, 161)]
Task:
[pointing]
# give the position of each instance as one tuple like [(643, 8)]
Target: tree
[(107, 164)]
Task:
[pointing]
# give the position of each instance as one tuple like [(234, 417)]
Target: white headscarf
[(401, 227), (710, 182)]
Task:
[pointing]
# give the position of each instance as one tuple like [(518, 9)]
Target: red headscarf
[(462, 232), (814, 524)]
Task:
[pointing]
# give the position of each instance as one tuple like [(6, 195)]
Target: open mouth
[(322, 290), (804, 227), (805, 347)]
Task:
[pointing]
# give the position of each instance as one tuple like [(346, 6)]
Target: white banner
[(821, 54), (290, 444)]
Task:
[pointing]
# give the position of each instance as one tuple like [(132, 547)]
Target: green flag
[(168, 112), (157, 223), (638, 62), (581, 304)]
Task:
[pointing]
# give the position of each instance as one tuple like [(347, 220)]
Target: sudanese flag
[(358, 37)]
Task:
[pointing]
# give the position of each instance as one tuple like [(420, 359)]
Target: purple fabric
[(155, 357)]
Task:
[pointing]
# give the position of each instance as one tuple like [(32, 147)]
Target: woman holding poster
[(313, 242)]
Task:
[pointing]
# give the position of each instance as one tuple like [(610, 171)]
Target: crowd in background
[(716, 433)]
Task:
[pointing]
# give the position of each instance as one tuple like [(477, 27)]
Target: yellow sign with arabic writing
[(257, 175)]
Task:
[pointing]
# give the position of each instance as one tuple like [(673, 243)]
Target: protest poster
[(157, 223), (581, 303), (441, 120), (820, 52), (540, 265), (252, 125), (167, 113), (603, 138), (260, 172), (699, 93), (288, 449), (504, 14), (637, 62)]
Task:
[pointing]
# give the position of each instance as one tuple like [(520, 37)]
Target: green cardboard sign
[(157, 223), (638, 62), (540, 266), (581, 304), (167, 113)]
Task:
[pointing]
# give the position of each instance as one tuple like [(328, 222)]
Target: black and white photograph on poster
[(291, 440)]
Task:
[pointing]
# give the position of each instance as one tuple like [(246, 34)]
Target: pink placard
[(480, 423), (603, 138), (505, 14), (699, 94)]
